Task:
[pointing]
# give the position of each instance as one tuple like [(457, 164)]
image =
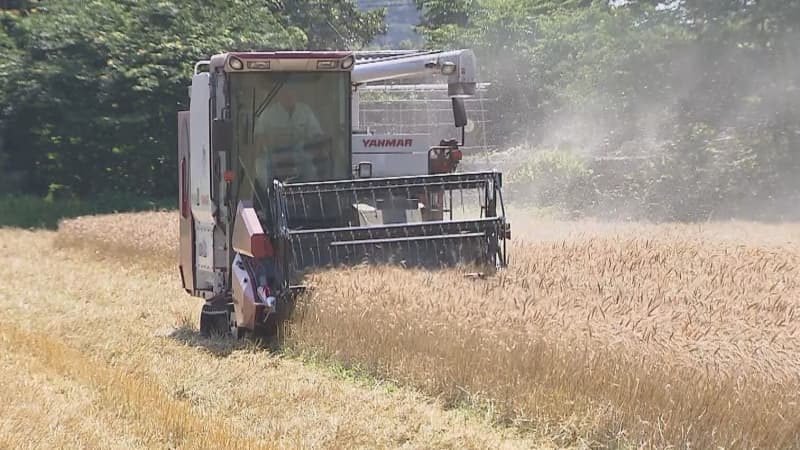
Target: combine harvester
[(275, 179)]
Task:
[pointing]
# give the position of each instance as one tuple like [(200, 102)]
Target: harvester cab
[(271, 184)]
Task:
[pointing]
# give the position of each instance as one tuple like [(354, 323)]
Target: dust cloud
[(702, 130)]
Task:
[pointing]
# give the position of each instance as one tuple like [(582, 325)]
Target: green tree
[(708, 86), (333, 25), (10, 60), (438, 13), (16, 5), (92, 100)]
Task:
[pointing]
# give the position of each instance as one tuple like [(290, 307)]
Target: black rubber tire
[(213, 323), (268, 333), (234, 330)]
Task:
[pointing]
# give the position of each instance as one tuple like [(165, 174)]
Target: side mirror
[(221, 135), (459, 112)]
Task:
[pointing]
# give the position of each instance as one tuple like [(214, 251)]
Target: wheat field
[(99, 348), (598, 334)]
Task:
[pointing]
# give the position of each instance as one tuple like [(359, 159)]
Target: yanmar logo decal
[(388, 142)]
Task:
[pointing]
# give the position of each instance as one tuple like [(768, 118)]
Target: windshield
[(294, 127)]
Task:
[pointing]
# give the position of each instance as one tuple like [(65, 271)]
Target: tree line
[(688, 107), (89, 89)]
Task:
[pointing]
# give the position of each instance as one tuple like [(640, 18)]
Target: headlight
[(235, 63), (348, 62)]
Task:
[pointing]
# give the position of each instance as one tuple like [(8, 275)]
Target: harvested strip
[(41, 408), (176, 424)]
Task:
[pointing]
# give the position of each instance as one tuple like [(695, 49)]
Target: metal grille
[(425, 109), (323, 224)]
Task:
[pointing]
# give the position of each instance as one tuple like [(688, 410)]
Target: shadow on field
[(219, 346), (26, 211)]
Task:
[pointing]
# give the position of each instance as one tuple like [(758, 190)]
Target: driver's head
[(287, 96)]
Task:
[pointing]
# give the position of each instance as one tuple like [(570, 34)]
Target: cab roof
[(283, 61)]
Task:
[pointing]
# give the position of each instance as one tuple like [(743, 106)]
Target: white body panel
[(243, 292), (200, 165), (392, 155)]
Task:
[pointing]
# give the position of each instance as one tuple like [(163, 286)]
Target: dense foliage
[(90, 89), (696, 101), (333, 25), (681, 109)]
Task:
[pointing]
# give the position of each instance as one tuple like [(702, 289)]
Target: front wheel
[(268, 333), (234, 329), (213, 321)]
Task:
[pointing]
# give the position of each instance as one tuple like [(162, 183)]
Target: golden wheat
[(99, 350), (151, 234), (613, 334), (597, 333)]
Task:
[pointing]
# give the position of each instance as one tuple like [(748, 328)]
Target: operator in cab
[(284, 131)]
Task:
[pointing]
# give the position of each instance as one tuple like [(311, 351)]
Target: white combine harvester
[(274, 181)]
